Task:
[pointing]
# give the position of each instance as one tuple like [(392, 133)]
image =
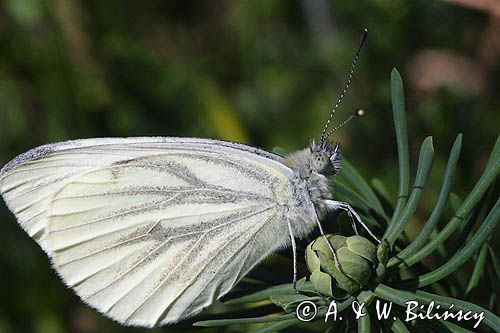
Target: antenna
[(364, 34), (358, 113)]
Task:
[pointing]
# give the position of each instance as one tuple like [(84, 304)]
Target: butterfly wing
[(150, 230)]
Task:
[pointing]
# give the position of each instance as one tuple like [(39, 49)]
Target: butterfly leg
[(335, 258), (294, 250), (353, 223), (335, 205)]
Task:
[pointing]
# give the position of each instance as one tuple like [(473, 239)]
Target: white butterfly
[(152, 230)]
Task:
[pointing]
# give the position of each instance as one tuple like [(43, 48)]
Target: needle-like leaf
[(399, 114), (425, 233), (423, 170)]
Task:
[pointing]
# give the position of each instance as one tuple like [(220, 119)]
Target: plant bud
[(382, 253), (357, 257)]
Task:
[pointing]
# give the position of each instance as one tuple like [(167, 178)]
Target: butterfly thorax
[(313, 166)]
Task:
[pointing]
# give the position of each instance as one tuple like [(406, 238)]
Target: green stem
[(276, 327), (454, 328), (263, 295), (241, 321), (364, 324), (399, 327), (423, 236), (399, 114), (467, 251), (478, 269), (458, 220), (400, 297), (382, 192), (362, 187), (423, 170), (343, 192), (354, 198)]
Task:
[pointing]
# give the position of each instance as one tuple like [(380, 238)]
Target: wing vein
[(159, 247), (191, 280)]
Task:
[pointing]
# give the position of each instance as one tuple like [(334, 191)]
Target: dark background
[(264, 73)]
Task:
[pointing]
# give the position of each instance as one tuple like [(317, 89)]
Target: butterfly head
[(325, 157)]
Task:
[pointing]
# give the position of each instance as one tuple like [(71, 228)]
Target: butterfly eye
[(320, 161)]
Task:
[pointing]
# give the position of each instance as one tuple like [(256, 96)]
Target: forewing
[(150, 230), (29, 181)]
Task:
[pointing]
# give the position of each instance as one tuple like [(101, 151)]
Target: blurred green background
[(260, 72)]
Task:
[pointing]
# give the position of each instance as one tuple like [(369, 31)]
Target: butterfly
[(151, 230)]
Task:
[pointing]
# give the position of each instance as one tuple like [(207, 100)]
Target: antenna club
[(364, 34), (360, 112)]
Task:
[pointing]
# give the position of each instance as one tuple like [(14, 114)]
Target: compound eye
[(320, 161)]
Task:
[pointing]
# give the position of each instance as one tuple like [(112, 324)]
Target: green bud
[(357, 257), (382, 253), (322, 282)]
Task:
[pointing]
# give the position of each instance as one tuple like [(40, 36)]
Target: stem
[(399, 114), (424, 234), (423, 170), (399, 327), (488, 177), (467, 251), (400, 297)]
